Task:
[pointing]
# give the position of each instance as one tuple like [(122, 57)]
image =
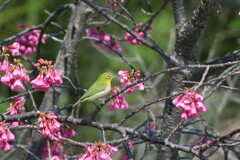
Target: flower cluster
[(48, 76), (119, 102), (129, 78), (141, 34), (29, 41), (49, 125), (5, 136), (66, 132), (104, 37), (56, 147), (15, 75), (101, 151), (16, 108), (114, 4), (191, 103)]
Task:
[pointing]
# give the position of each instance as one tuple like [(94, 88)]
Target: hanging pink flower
[(40, 83), (66, 132), (101, 151), (129, 78), (113, 43), (14, 49), (48, 77), (119, 102), (48, 124), (15, 76), (53, 77), (29, 41), (5, 136), (141, 34), (102, 36), (191, 104), (5, 65), (16, 108)]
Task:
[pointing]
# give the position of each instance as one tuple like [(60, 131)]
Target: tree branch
[(190, 31), (230, 57), (179, 12)]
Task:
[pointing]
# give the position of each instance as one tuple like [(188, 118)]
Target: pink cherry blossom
[(29, 41), (16, 108), (49, 125), (113, 43), (14, 49), (118, 102), (10, 135), (15, 77), (66, 132), (141, 34), (101, 151), (17, 85), (40, 83), (5, 66), (5, 136), (102, 155), (48, 77), (102, 36), (191, 104), (53, 77), (129, 78)]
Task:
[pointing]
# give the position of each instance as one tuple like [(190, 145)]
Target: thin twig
[(174, 130), (203, 78)]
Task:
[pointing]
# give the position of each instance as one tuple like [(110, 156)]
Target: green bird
[(100, 88)]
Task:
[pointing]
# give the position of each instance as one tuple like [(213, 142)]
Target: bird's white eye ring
[(108, 76)]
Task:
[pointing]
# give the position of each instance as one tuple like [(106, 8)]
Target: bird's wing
[(95, 88)]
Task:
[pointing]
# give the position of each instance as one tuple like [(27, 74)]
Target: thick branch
[(179, 12), (230, 57), (190, 32)]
